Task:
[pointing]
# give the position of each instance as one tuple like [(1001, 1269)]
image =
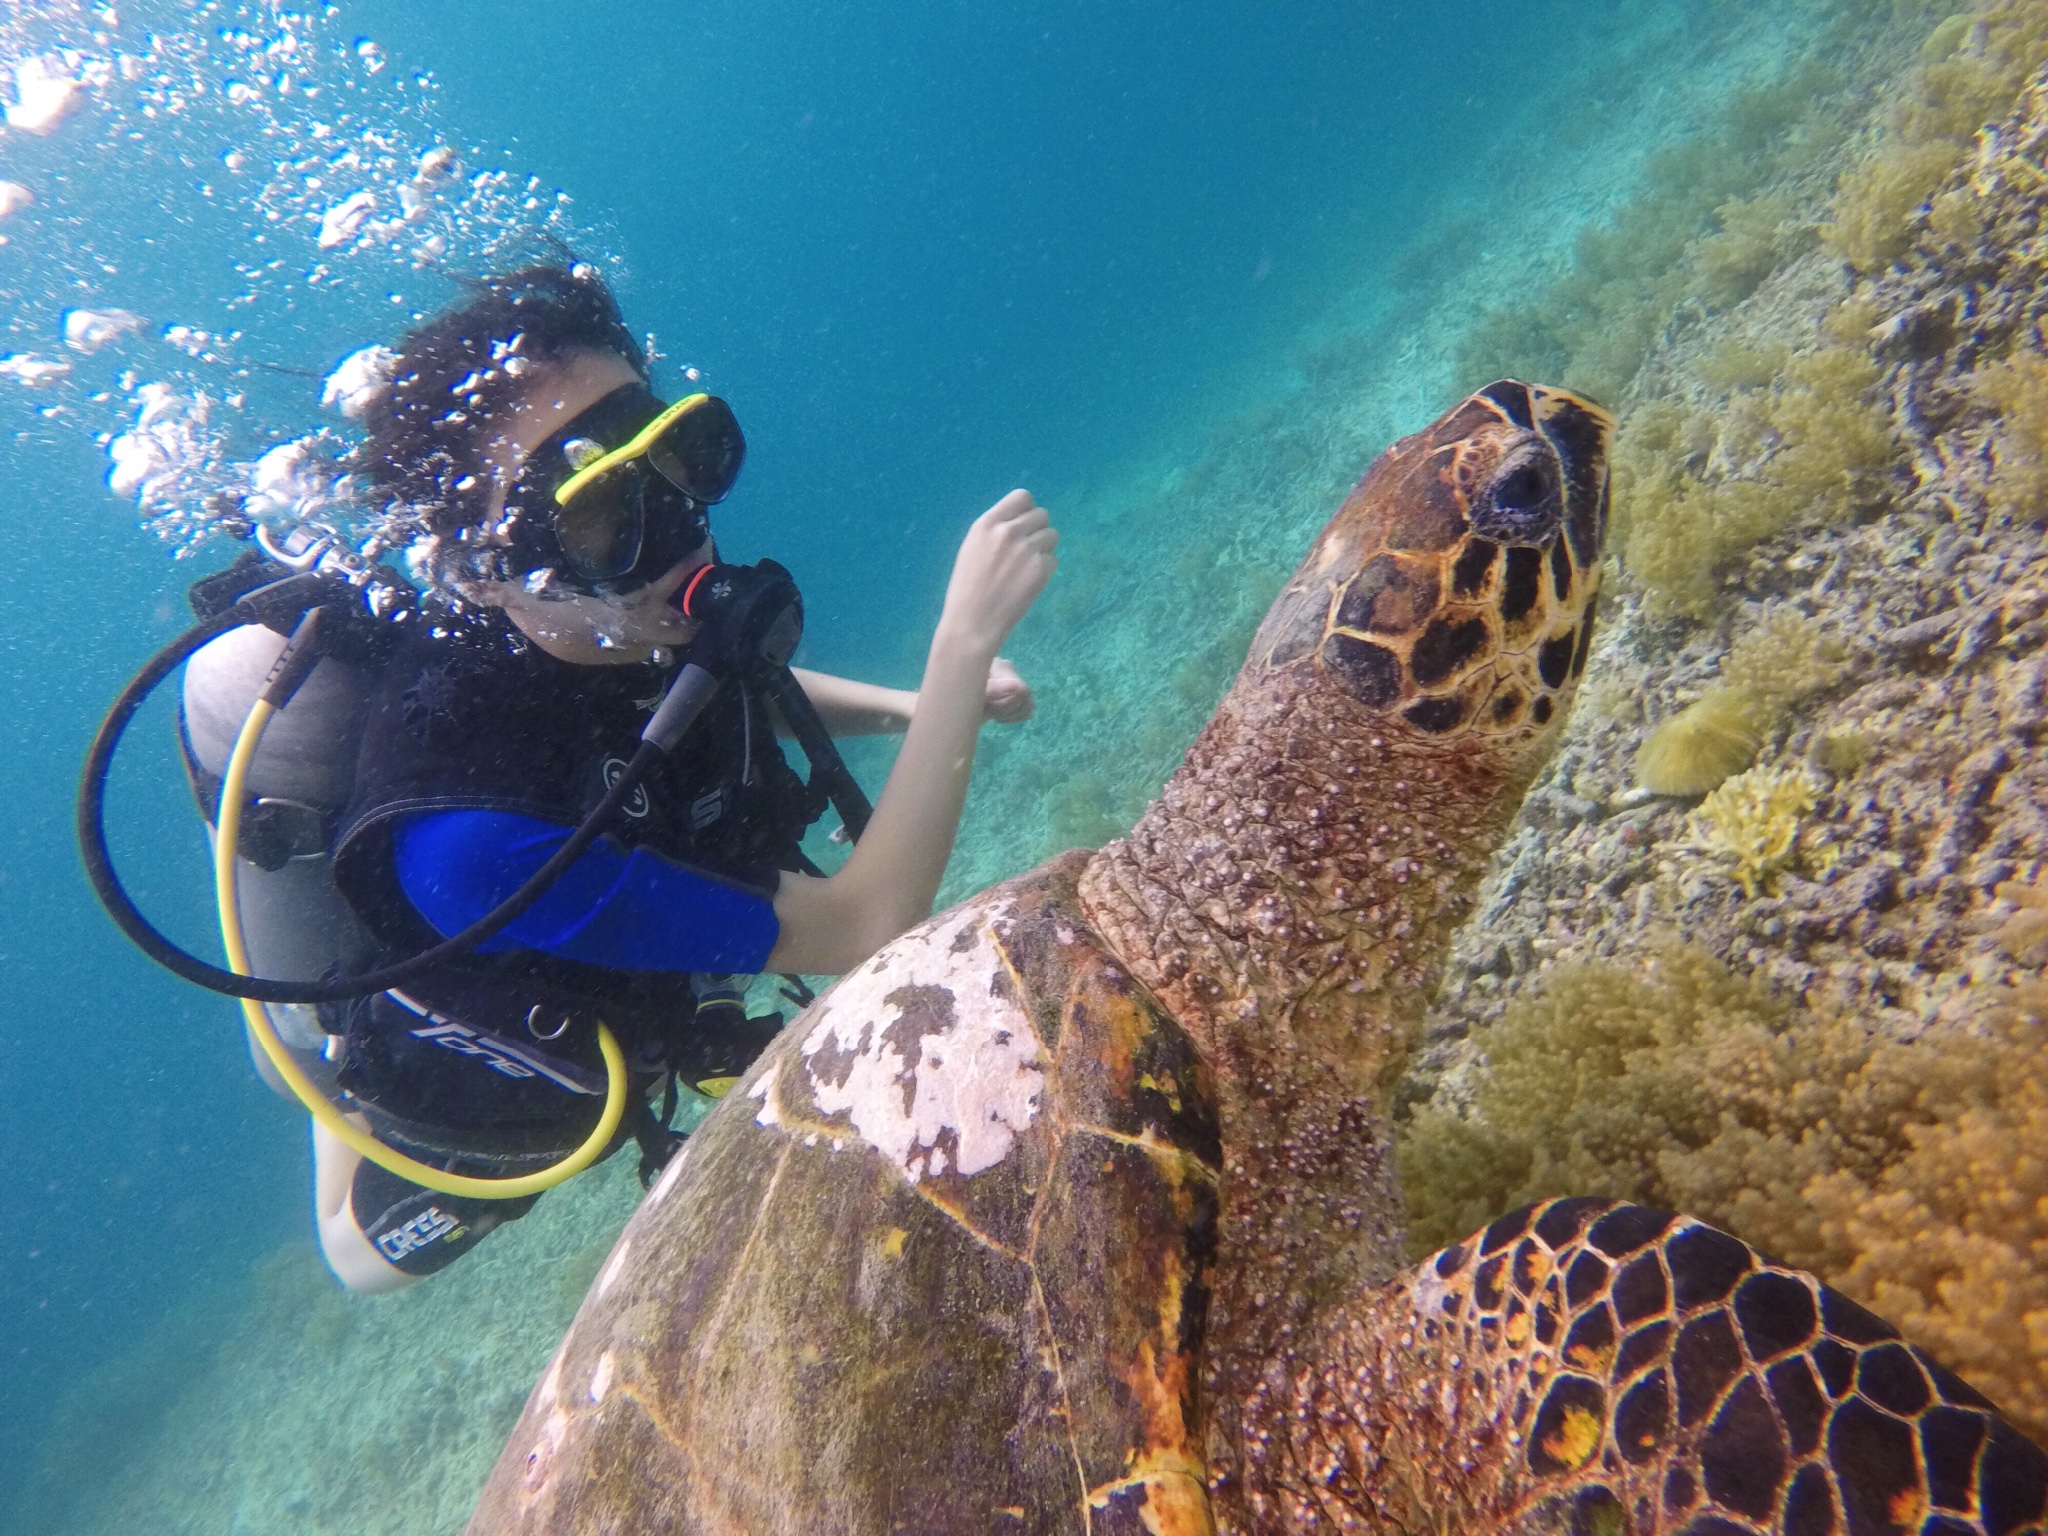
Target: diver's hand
[(1004, 563), (1007, 699)]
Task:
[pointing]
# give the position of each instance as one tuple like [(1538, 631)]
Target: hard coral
[(1755, 819)]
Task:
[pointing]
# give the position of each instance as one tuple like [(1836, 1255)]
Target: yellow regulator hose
[(227, 838)]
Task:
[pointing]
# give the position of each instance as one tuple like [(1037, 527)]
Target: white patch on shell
[(616, 1262), (550, 1384), (763, 1092), (978, 1077), (668, 1178), (601, 1378)]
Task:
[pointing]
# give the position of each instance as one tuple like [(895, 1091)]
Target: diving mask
[(620, 516)]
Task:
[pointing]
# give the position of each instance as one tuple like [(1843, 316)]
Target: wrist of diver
[(965, 643)]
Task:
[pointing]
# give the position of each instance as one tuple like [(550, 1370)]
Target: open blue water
[(929, 250)]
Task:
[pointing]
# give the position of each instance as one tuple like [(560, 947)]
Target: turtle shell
[(939, 1264)]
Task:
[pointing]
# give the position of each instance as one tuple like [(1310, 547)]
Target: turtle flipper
[(1585, 1366)]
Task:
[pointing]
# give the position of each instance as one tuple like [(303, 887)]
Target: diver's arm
[(890, 879), (851, 708), (625, 909)]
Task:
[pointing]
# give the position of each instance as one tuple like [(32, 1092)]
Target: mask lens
[(600, 527), (701, 452)]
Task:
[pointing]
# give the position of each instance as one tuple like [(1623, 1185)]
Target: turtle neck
[(1289, 897)]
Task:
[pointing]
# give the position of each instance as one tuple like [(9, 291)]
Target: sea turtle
[(1073, 1209)]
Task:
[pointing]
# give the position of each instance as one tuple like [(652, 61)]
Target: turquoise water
[(929, 251)]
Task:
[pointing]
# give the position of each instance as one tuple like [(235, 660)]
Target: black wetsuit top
[(481, 719)]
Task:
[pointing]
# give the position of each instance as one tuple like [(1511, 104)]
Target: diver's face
[(570, 624), (595, 629)]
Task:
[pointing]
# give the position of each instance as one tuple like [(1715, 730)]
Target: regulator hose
[(618, 1085), (757, 627)]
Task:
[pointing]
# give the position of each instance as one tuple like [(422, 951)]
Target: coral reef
[(1869, 229), (2017, 389), (1782, 662), (1766, 674), (1692, 752), (2024, 935), (1694, 491), (1844, 1061), (1972, 65), (1914, 1179), (1755, 819)]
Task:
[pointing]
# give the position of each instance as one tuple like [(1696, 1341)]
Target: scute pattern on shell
[(1604, 1368), (1458, 631)]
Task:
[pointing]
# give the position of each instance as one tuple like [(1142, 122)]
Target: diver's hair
[(450, 389)]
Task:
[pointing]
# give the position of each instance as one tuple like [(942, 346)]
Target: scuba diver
[(419, 780)]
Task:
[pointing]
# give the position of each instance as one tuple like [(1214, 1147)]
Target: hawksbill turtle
[(1073, 1209)]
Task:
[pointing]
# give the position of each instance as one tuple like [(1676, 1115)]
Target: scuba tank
[(295, 921)]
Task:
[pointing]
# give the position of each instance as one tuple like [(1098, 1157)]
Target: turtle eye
[(1520, 491), (1523, 504)]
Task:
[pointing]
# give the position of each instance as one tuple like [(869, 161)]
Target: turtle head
[(1452, 595)]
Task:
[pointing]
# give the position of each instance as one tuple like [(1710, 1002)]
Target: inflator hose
[(227, 836), (299, 598), (99, 866)]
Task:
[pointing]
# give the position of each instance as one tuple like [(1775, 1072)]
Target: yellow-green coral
[(2024, 935), (1909, 1175), (1701, 745), (1972, 67), (2018, 390), (1754, 237), (1675, 1082), (1768, 671), (1798, 454), (1950, 1240), (1755, 819), (1841, 753), (1782, 662), (1737, 365), (1876, 199)]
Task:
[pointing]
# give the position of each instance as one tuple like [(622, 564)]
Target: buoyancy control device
[(278, 675)]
